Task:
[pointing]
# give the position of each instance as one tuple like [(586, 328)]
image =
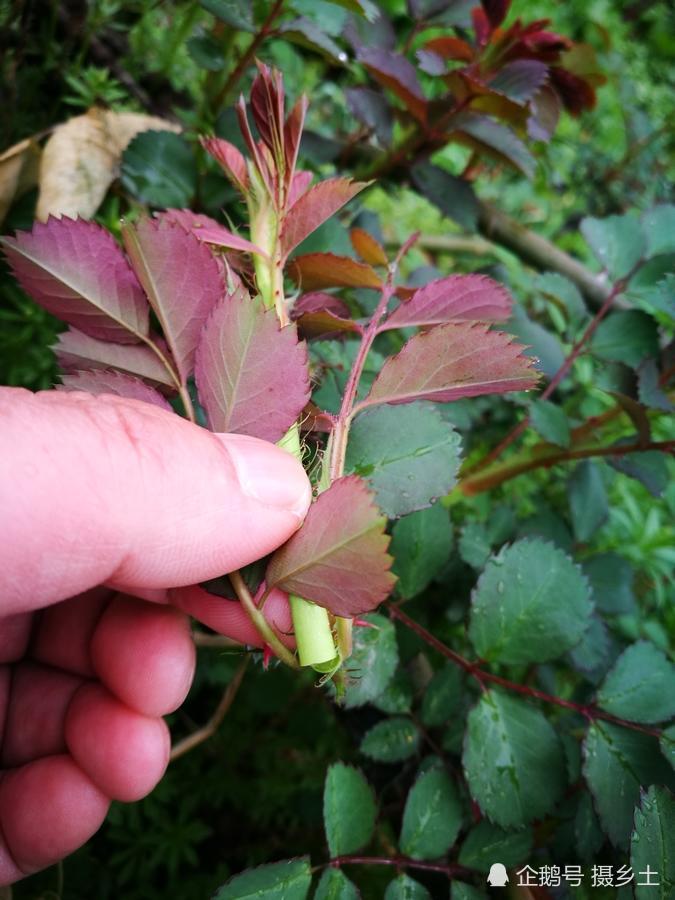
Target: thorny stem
[(515, 432), (588, 711), (400, 862), (247, 56), (260, 622), (545, 456)]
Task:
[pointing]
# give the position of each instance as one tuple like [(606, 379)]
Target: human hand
[(114, 492)]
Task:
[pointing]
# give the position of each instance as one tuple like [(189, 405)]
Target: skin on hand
[(102, 501)]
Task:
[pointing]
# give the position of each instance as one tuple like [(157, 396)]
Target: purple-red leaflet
[(301, 182), (450, 362), (231, 160), (315, 271), (208, 230), (395, 72), (496, 11), (182, 281), (320, 314), (456, 297), (314, 207), (292, 135), (319, 301), (251, 374), (339, 557), (101, 381), (76, 271), (76, 350)]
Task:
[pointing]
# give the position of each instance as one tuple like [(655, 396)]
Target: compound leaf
[(76, 271), (251, 374), (339, 556)]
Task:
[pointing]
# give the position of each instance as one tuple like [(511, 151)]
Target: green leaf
[(443, 697), (407, 453), (550, 421), (531, 604), (334, 885), (305, 33), (658, 224), (628, 336), (491, 137), (616, 762), (611, 578), (397, 697), (618, 242), (461, 891), (513, 760), (349, 810), (158, 168), (235, 13), (589, 506), (206, 52), (452, 195), (432, 816), (558, 288), (649, 467), (541, 343), (640, 686), (373, 661), (287, 880), (653, 845), (475, 544), (487, 843), (420, 544), (667, 743), (406, 888), (587, 832), (391, 740), (592, 654)]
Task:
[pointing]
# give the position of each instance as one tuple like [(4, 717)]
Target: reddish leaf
[(450, 362), (77, 272), (315, 206), (101, 381), (320, 302), (451, 48), (292, 135), (544, 114), (209, 231), (368, 248), (339, 557), (315, 271), (181, 279), (251, 374), (373, 110), (315, 419), (76, 350), (267, 108), (300, 184), (576, 93), (495, 139), (496, 11), (520, 80), (457, 297), (394, 71), (325, 324), (231, 160)]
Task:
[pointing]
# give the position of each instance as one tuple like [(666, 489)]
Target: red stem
[(401, 862), (589, 712), (515, 433)]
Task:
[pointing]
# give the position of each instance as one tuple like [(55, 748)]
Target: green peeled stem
[(313, 634)]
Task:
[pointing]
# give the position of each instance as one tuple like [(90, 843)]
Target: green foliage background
[(253, 793)]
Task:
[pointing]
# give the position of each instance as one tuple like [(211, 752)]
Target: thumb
[(106, 489)]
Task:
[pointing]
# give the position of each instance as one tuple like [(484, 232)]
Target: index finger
[(105, 489)]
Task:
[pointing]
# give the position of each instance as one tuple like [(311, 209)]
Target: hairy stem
[(484, 677), (400, 862), (260, 622)]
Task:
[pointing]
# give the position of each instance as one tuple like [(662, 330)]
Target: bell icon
[(497, 876)]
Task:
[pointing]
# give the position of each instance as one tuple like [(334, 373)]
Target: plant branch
[(219, 641), (518, 429), (259, 621), (400, 862), (206, 731), (248, 55), (588, 711), (545, 456)]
